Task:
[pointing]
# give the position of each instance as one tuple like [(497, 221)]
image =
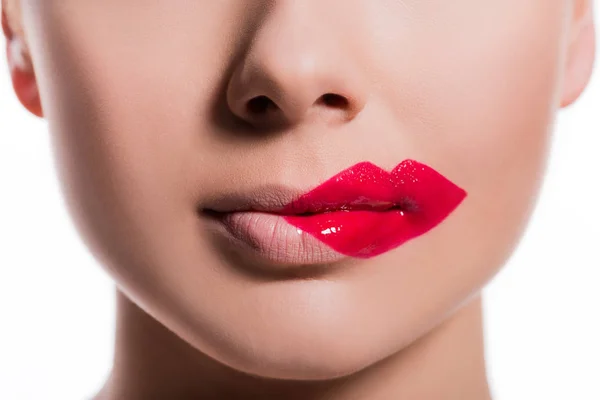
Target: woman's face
[(154, 117)]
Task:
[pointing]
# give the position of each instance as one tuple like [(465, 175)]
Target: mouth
[(361, 212)]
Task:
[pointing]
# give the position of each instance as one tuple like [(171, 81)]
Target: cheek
[(491, 103), (494, 121), (476, 84), (481, 105)]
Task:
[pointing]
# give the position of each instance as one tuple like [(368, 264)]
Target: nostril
[(334, 100), (259, 105)]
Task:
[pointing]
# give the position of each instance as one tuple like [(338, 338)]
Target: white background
[(542, 310)]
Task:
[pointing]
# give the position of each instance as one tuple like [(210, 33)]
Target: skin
[(145, 106)]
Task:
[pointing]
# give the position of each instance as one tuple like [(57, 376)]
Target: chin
[(299, 364), (312, 348)]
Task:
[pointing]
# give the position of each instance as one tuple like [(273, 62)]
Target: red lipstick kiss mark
[(365, 211)]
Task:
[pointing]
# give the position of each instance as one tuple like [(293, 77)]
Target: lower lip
[(286, 239), (273, 238)]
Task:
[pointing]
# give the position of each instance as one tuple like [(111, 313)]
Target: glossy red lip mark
[(364, 210)]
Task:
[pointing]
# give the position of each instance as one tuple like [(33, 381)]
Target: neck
[(152, 362)]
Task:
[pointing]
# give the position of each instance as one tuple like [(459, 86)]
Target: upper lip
[(365, 186), (267, 198)]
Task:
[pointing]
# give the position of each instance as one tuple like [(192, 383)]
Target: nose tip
[(286, 82)]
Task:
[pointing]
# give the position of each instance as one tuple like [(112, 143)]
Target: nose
[(295, 69)]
